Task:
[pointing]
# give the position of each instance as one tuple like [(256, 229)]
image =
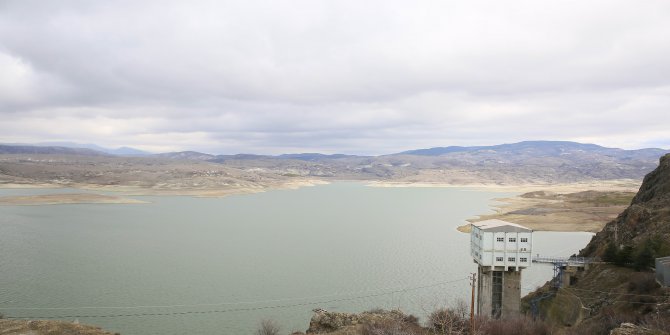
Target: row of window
[(512, 239), (513, 259)]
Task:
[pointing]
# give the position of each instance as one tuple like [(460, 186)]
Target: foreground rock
[(631, 329), (335, 323), (43, 327)]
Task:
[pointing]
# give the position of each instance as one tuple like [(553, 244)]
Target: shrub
[(644, 257), (448, 321), (519, 326), (391, 327), (411, 319), (268, 327), (642, 283), (624, 256), (610, 254)]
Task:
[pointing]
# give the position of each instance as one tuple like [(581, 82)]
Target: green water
[(183, 265)]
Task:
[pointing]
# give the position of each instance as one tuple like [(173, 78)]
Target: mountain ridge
[(507, 164)]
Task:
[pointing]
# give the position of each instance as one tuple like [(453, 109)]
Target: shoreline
[(605, 185), (129, 190), (65, 198), (583, 211)]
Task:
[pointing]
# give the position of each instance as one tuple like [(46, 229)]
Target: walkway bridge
[(563, 261), (564, 265)]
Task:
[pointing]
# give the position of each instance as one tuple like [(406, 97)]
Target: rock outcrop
[(631, 329), (44, 327), (324, 322)]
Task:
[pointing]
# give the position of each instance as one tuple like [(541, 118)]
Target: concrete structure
[(501, 249), (663, 270)]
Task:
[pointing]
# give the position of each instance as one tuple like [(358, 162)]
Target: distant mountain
[(53, 150), (543, 148), (122, 151), (437, 151), (314, 156), (530, 162), (126, 151), (187, 155)]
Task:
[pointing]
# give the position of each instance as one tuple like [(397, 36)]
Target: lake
[(185, 265)]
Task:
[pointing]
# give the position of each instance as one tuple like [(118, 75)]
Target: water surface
[(219, 265)]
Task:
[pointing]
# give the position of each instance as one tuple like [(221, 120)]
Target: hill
[(537, 163), (50, 150), (622, 289), (646, 221)]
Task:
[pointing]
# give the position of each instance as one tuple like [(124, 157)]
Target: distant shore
[(584, 211), (628, 185), (66, 198), (128, 190), (553, 212)]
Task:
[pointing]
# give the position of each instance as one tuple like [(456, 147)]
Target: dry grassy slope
[(154, 173), (604, 297)]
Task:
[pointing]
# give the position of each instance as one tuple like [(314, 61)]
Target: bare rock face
[(631, 329), (324, 322)]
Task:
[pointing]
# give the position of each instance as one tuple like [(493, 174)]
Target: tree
[(644, 257), (610, 254), (268, 327), (625, 256)]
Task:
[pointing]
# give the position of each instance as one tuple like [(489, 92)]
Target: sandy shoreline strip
[(628, 185), (66, 198), (130, 190)]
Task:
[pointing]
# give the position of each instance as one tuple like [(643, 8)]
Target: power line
[(236, 309), (204, 304)]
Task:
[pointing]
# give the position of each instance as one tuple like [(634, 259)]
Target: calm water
[(226, 263)]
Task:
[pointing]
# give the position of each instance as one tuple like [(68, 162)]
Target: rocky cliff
[(647, 218)]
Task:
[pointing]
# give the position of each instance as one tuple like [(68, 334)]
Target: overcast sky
[(359, 77)]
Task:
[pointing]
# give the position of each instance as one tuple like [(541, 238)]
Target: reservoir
[(186, 265)]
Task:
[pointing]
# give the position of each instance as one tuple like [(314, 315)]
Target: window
[(523, 260), (499, 259), (500, 239), (512, 239), (511, 259), (524, 239)]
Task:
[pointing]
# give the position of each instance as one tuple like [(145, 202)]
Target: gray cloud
[(334, 76)]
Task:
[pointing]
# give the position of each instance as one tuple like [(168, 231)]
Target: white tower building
[(501, 249)]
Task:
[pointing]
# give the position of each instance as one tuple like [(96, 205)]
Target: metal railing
[(563, 260)]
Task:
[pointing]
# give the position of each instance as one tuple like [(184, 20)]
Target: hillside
[(646, 219), (623, 287)]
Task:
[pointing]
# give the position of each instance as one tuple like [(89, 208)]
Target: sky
[(356, 77)]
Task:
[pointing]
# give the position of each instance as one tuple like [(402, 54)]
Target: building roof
[(496, 225)]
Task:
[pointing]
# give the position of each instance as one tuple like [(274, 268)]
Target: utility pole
[(473, 279)]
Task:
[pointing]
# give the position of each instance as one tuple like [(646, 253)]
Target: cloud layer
[(334, 76)]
